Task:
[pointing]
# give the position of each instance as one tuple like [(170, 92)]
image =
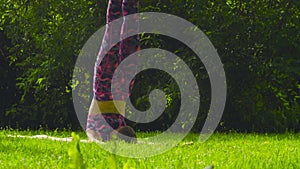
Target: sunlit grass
[(222, 150)]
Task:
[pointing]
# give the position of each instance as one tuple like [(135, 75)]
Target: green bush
[(258, 42)]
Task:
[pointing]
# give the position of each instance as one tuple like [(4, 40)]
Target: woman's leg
[(131, 44), (105, 68), (128, 46)]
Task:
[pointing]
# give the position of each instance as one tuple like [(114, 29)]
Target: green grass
[(222, 150)]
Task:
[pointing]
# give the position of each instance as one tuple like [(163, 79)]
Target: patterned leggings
[(109, 119), (104, 71)]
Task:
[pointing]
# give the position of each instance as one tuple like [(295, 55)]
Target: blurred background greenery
[(258, 42)]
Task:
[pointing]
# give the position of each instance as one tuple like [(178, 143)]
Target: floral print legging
[(104, 71)]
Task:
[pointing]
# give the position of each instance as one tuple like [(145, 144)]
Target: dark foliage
[(258, 42)]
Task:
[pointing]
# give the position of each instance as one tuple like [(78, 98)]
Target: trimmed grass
[(222, 150)]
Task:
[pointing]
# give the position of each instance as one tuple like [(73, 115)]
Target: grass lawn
[(222, 150)]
